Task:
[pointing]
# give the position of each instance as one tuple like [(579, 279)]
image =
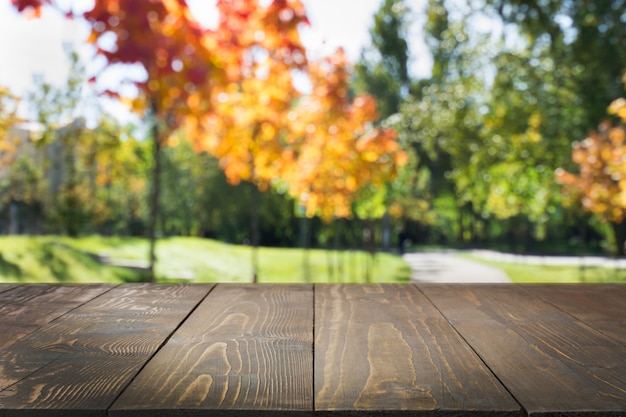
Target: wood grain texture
[(6, 287), (26, 308), (552, 363), (246, 350), (601, 306), (385, 348), (80, 363)]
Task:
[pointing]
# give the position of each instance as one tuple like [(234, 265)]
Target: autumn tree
[(340, 150), (600, 183), (180, 61), (249, 55), (248, 122), (179, 57)]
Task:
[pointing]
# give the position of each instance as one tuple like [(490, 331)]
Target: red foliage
[(30, 6)]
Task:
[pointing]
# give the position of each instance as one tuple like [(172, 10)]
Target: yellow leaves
[(617, 135), (268, 132), (534, 136), (136, 105), (618, 108), (534, 122)]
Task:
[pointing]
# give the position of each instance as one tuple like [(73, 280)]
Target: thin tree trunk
[(254, 232), (305, 245), (339, 248), (254, 212), (154, 196), (386, 237), (619, 235)]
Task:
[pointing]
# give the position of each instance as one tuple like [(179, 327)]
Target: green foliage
[(498, 115), (382, 69), (55, 107), (583, 36)]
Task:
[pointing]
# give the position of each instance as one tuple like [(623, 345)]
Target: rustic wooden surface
[(552, 363), (80, 363), (383, 347), (247, 347), (20, 316), (290, 350)]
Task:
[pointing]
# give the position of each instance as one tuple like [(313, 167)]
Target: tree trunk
[(305, 245), (254, 232), (619, 234), (386, 236), (154, 196)]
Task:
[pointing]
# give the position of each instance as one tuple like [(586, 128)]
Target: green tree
[(383, 71), (442, 119), (585, 36), (57, 110), (383, 68), (562, 71), (116, 166)]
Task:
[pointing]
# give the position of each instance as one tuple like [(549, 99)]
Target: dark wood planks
[(6, 287), (246, 350), (385, 348), (26, 308), (601, 306), (551, 362), (80, 363)]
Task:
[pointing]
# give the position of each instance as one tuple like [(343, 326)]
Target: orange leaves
[(340, 150), (247, 31), (247, 125), (618, 108), (232, 89), (601, 181)]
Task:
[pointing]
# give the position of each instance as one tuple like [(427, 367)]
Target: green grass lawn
[(528, 273), (46, 259), (62, 259)]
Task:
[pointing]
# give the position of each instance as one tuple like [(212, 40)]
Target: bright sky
[(29, 47)]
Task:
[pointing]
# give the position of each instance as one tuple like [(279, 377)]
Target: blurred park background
[(460, 124)]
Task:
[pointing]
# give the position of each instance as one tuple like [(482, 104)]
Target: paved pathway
[(447, 267)]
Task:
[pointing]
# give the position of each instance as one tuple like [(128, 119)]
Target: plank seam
[(313, 355), (80, 305), (523, 410), (8, 288), (158, 349), (45, 324)]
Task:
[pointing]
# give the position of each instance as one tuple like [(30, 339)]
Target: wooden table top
[(344, 350)]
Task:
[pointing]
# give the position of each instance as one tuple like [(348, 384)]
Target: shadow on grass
[(9, 269)]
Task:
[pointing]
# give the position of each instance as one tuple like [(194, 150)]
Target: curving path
[(446, 267)]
